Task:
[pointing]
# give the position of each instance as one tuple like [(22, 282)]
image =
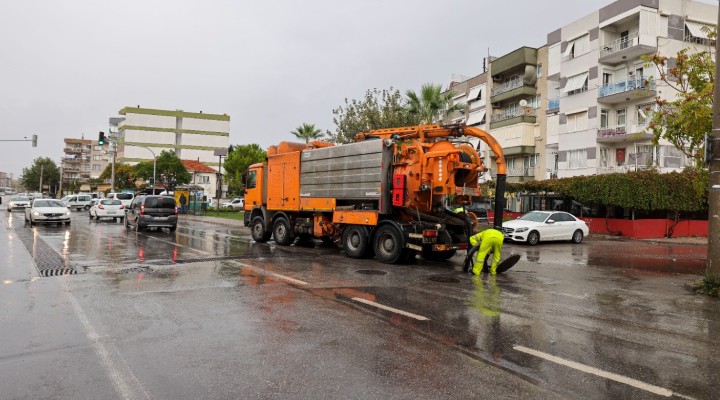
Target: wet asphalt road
[(206, 313)]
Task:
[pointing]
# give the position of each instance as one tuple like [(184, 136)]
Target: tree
[(94, 183), (431, 105), (125, 176), (170, 171), (30, 178), (307, 132), (238, 161), (379, 109), (686, 120)]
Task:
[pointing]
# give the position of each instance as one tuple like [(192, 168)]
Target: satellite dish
[(523, 103)]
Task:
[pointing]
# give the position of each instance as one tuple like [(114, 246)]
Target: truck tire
[(355, 241), (257, 229), (388, 245), (283, 233)]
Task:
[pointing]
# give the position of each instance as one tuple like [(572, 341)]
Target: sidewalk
[(210, 219)]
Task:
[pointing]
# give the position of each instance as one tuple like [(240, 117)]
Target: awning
[(475, 117), (474, 93), (696, 29), (575, 82), (569, 49)]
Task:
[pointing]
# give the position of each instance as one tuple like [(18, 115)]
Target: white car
[(47, 211), (537, 226), (18, 202), (78, 201), (125, 197), (237, 203), (107, 208)]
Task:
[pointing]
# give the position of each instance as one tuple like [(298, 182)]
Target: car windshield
[(66, 198), (110, 202), (124, 196), (160, 202), (534, 217), (48, 203), (19, 198)]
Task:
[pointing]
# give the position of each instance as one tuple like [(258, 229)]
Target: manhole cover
[(443, 279), (371, 272)]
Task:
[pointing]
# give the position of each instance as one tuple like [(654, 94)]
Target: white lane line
[(591, 370), (395, 310), (289, 279), (125, 382)]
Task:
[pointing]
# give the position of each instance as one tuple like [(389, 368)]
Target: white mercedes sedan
[(537, 226), (47, 211)]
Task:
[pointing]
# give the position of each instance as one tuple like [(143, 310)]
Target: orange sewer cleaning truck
[(385, 194)]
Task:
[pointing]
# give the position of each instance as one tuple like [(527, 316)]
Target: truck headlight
[(518, 230)]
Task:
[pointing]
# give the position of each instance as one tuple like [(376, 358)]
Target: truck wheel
[(282, 231), (257, 229), (388, 244), (355, 241)]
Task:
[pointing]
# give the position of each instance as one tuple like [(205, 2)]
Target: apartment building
[(191, 135), (601, 91), (82, 160)]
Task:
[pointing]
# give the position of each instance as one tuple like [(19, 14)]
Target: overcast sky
[(67, 66)]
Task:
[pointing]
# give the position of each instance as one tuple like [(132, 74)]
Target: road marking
[(125, 382), (395, 310), (289, 279), (603, 374)]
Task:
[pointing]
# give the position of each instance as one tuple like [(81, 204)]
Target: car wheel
[(122, 220), (87, 207), (533, 238), (282, 231), (257, 230), (355, 241), (388, 244), (577, 237)]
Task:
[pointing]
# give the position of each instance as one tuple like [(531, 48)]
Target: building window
[(620, 117), (606, 79), (604, 118), (539, 71), (98, 148), (644, 113), (96, 167), (576, 84), (577, 158), (577, 122), (577, 47), (97, 157), (203, 179)]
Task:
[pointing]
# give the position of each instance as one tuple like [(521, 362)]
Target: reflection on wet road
[(620, 308)]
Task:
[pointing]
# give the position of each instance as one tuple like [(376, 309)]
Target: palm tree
[(307, 132), (431, 105)]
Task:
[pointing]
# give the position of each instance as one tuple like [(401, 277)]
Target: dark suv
[(152, 212)]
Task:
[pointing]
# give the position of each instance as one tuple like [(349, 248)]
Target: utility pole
[(713, 260), (41, 177)]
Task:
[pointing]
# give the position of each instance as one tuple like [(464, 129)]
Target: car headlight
[(518, 230), (67, 212), (35, 213)]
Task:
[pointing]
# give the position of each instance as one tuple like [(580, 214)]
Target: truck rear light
[(430, 233)]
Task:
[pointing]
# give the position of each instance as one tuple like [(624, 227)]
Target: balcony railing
[(512, 113), (553, 104), (611, 131), (699, 40), (620, 44), (521, 171), (507, 86), (626, 86)]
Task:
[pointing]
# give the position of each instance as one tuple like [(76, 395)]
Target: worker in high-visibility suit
[(490, 240)]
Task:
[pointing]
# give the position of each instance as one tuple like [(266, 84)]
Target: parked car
[(78, 202), (237, 203), (18, 202), (125, 197), (152, 212), (107, 208), (537, 226), (47, 211)]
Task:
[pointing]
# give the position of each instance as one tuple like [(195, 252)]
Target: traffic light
[(34, 140), (101, 138)]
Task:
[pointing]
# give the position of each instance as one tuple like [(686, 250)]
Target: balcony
[(619, 134), (553, 105), (77, 149), (521, 171), (627, 48), (699, 40), (512, 116), (619, 92)]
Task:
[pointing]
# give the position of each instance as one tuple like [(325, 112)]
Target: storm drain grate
[(371, 272), (443, 279), (47, 260)]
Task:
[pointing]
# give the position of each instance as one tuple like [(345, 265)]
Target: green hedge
[(644, 190)]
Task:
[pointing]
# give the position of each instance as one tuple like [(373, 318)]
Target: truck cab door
[(253, 188)]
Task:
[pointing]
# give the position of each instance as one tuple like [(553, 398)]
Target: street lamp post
[(154, 163)]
